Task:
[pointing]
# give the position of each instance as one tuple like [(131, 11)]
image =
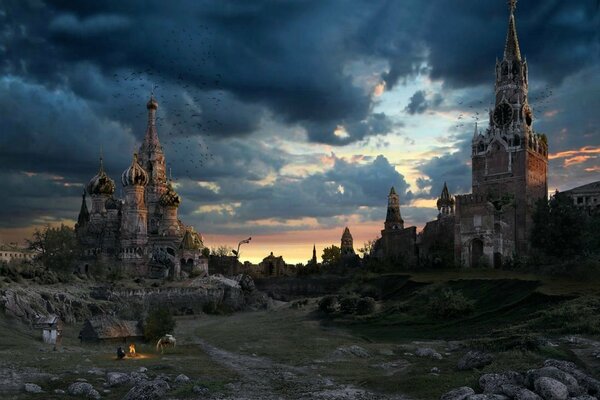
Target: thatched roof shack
[(108, 328)]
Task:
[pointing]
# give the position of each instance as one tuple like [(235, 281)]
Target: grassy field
[(511, 313)]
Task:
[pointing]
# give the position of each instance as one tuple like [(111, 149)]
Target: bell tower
[(509, 159)]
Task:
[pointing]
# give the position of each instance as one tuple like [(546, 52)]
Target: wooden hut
[(51, 326), (104, 328)]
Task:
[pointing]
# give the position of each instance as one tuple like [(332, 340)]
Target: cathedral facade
[(509, 169), (139, 235)]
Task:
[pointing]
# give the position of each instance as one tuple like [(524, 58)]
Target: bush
[(159, 323), (450, 304), (348, 305), (214, 308), (365, 306), (328, 304)]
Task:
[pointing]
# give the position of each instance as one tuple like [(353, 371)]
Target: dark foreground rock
[(556, 380), (150, 390)]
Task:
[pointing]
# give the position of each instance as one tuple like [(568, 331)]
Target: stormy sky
[(282, 120)]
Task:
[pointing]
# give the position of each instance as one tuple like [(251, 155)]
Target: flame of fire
[(132, 349)]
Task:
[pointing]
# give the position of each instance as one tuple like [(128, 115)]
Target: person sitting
[(120, 353)]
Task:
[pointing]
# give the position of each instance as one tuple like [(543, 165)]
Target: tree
[(368, 247), (158, 323), (56, 248), (331, 255), (222, 251), (559, 227)]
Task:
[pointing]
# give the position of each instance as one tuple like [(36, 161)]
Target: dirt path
[(263, 379)]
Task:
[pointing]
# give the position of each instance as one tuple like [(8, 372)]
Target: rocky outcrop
[(75, 303), (556, 380)]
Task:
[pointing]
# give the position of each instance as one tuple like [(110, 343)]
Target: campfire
[(132, 350)]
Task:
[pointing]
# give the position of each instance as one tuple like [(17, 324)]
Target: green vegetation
[(331, 256), (56, 248), (158, 323), (450, 304)]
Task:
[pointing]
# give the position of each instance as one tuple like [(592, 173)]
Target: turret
[(100, 188), (347, 243), (445, 203), (393, 219)]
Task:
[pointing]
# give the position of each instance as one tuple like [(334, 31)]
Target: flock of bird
[(539, 103), (187, 100)]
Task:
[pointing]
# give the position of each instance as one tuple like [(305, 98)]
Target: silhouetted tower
[(393, 219), (445, 203), (347, 244)]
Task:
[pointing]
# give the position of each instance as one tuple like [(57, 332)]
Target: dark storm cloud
[(558, 38), (451, 168), (339, 191), (420, 102)]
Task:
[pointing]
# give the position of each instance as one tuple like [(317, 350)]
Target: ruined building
[(139, 235), (396, 243), (436, 241), (509, 166)]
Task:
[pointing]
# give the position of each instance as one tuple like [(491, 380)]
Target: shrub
[(215, 308), (365, 306), (158, 323), (328, 304), (450, 304), (348, 305)]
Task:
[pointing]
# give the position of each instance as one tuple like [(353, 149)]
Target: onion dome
[(152, 104), (101, 183), (135, 174), (170, 198), (191, 240)]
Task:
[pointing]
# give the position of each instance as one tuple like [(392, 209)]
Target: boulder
[(354, 350), (492, 383), (137, 377), (96, 371), (488, 396), (148, 390), (83, 390), (552, 372), (551, 389), (199, 389), (117, 378), (181, 378), (584, 397), (428, 352), (473, 360), (460, 393), (526, 394), (32, 388), (59, 391)]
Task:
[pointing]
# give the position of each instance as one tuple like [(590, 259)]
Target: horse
[(165, 341)]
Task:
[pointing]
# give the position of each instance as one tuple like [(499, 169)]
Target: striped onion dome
[(135, 174)]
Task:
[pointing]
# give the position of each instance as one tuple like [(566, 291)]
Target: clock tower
[(509, 159)]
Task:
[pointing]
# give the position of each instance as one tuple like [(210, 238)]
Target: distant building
[(586, 196), (273, 266), (397, 243), (436, 241), (140, 234), (347, 244), (105, 328), (12, 252)]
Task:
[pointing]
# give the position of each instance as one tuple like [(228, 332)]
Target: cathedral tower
[(135, 214), (152, 159)]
